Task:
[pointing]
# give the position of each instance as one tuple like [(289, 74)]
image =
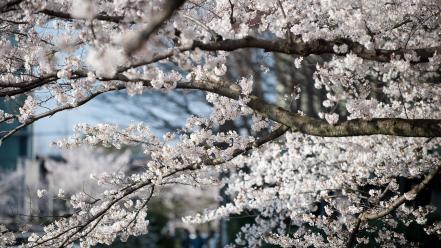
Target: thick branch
[(7, 5), (318, 127), (316, 47), (67, 16), (297, 122), (12, 89), (276, 45)]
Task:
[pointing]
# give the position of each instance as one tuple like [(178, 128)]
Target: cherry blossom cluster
[(309, 179)]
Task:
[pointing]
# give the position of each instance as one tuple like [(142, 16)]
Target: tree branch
[(400, 200), (54, 111), (319, 127), (365, 216), (308, 125), (25, 86), (6, 6), (316, 47), (67, 16)]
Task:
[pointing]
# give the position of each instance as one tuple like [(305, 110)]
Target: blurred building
[(14, 151), (18, 146)]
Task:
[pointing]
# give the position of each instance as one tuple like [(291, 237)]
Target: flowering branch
[(317, 47), (54, 111), (304, 124), (374, 215), (410, 195), (73, 233), (63, 15)]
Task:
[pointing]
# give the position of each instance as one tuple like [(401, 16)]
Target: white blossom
[(375, 63), (41, 192)]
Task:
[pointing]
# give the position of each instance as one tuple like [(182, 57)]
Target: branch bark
[(7, 5), (67, 16), (308, 125), (316, 47), (318, 127)]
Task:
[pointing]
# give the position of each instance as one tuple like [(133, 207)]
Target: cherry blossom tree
[(321, 181)]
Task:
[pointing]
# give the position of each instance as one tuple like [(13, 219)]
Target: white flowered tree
[(320, 181)]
